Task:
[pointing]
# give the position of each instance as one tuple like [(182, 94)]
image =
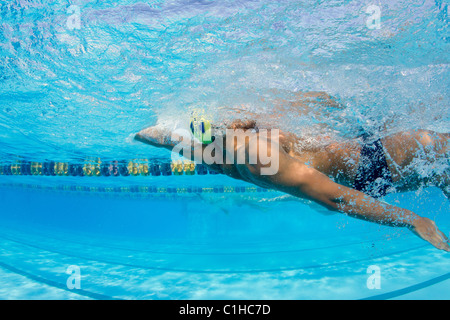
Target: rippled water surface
[(77, 78), (83, 91)]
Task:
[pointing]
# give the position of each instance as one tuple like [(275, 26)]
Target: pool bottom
[(34, 265), (202, 249)]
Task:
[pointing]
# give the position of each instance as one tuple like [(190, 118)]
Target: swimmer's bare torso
[(338, 160), (305, 173)]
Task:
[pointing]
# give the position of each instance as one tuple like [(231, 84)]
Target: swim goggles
[(201, 129)]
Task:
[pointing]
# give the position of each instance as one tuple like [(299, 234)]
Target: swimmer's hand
[(301, 181), (428, 231)]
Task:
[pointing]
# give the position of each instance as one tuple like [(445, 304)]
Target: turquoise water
[(71, 92)]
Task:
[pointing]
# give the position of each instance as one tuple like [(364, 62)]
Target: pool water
[(78, 79), (186, 249)]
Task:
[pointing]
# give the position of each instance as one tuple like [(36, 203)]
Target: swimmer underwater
[(376, 168)]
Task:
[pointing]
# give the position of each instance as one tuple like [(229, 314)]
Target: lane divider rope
[(99, 168), (140, 189)]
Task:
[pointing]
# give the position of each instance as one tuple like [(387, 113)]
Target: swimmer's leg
[(404, 147), (445, 186), (436, 146), (444, 179)]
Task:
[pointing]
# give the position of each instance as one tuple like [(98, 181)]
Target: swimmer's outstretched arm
[(302, 181), (164, 138), (155, 136), (299, 180)]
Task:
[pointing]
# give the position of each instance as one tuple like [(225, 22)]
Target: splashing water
[(78, 78)]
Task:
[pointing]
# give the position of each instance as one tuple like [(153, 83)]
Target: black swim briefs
[(373, 177)]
